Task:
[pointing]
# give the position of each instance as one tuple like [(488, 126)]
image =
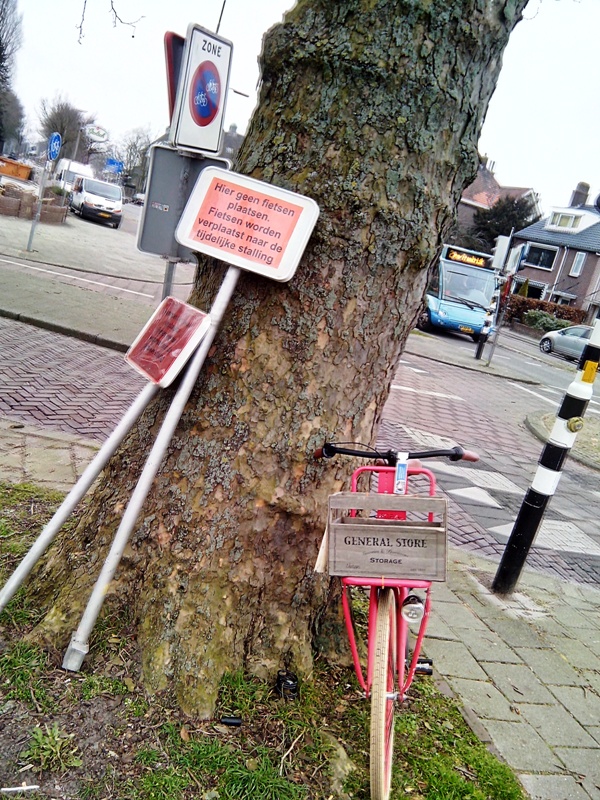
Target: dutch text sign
[(201, 91), (247, 223)]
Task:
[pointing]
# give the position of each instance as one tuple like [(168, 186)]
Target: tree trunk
[(374, 110)]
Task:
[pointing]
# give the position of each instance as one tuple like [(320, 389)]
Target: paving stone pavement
[(526, 667), (485, 497)]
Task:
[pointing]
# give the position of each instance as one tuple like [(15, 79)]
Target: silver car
[(568, 342)]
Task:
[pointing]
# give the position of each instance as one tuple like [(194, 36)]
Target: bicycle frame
[(401, 589)]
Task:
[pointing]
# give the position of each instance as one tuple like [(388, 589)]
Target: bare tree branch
[(115, 16)]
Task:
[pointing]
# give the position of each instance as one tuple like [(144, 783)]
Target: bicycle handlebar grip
[(470, 455), (326, 451)]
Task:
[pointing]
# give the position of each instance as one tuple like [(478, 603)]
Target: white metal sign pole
[(90, 474), (78, 646), (38, 209)]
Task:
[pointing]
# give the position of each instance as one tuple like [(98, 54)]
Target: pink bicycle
[(394, 545)]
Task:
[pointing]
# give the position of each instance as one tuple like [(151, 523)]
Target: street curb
[(54, 327), (44, 433), (534, 425), (471, 368)]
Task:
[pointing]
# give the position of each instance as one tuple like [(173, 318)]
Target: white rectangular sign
[(248, 223), (201, 92)]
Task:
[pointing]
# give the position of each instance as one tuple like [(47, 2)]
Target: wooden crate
[(364, 546)]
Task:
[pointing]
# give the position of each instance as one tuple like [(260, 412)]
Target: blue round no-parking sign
[(54, 145), (205, 94)]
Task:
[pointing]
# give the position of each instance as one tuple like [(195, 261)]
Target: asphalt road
[(543, 378)]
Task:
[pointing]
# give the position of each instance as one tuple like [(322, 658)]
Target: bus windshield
[(461, 283)]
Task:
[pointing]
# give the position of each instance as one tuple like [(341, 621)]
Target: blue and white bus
[(460, 292)]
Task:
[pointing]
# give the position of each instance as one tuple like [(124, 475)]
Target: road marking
[(408, 365), (477, 495), (558, 390), (555, 535), (549, 399), (421, 391), (483, 478), (75, 278)]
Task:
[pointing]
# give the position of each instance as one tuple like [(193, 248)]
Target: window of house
[(565, 220), (541, 257), (577, 265), (537, 291)]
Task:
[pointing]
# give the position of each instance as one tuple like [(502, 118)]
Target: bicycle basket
[(364, 546)]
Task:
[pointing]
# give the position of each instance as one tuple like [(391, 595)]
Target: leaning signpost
[(253, 226)]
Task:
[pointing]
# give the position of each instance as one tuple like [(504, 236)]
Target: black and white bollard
[(569, 422)]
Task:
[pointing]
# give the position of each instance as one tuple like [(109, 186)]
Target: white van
[(97, 200), (67, 170)]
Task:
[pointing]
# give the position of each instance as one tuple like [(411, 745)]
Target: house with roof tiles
[(562, 255), (485, 191)]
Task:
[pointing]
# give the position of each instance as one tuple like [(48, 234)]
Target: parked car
[(97, 200), (568, 342)]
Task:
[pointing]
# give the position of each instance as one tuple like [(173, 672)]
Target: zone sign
[(201, 91)]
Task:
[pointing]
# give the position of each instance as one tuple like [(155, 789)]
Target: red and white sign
[(250, 224), (197, 122), (167, 341)]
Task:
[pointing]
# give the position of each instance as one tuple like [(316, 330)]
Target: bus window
[(433, 286)]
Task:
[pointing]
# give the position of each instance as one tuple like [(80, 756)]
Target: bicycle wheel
[(383, 697)]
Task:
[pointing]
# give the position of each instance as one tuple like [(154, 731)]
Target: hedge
[(518, 306), (544, 322)]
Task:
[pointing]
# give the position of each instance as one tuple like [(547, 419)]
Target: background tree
[(59, 115), (499, 220), (10, 41), (373, 109), (12, 117), (133, 152)]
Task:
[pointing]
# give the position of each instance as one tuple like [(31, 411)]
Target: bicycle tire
[(383, 691)]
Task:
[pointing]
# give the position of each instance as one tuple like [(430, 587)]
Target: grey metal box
[(171, 179)]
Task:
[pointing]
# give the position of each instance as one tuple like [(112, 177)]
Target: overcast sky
[(541, 129)]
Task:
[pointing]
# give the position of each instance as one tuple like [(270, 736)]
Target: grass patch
[(93, 685), (51, 749), (24, 510), (22, 676)]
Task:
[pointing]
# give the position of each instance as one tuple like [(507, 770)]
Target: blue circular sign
[(54, 145), (205, 94)]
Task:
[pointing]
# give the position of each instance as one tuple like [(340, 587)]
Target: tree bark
[(373, 109)]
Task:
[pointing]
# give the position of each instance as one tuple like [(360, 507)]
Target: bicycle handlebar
[(330, 449)]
